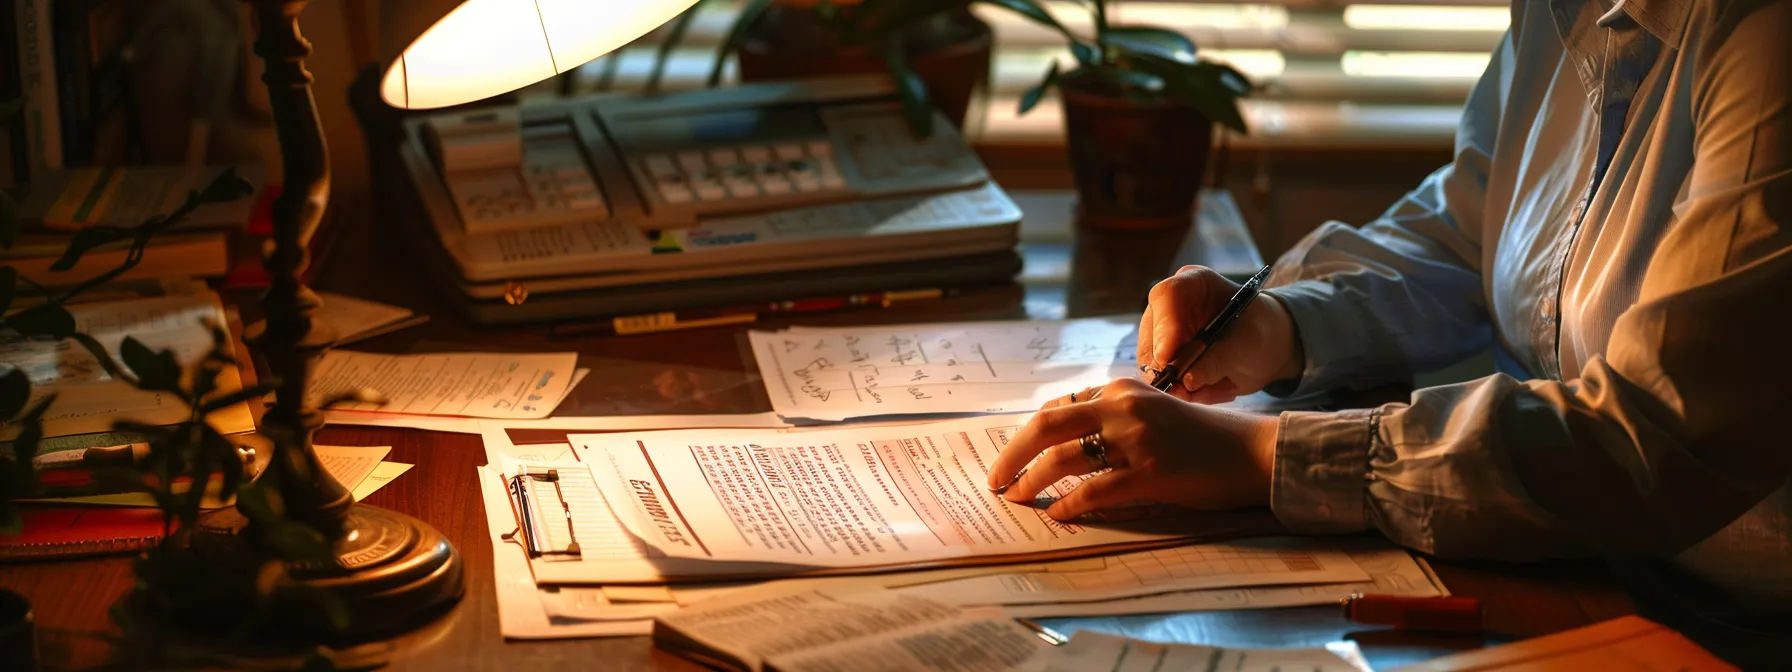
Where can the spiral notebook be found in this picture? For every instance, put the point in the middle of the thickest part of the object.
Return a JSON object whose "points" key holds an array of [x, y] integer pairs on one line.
{"points": [[75, 531]]}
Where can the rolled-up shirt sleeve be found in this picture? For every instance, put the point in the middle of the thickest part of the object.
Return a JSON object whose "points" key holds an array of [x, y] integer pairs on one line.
{"points": [[1665, 438]]}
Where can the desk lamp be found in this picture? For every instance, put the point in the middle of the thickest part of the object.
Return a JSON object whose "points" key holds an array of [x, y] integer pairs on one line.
{"points": [[390, 570]]}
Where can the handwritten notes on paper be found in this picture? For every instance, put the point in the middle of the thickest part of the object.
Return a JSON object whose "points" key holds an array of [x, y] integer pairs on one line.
{"points": [[479, 385], [987, 367], [88, 399]]}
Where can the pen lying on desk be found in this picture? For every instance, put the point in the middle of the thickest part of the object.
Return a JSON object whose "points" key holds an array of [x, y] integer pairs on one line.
{"points": [[716, 317]]}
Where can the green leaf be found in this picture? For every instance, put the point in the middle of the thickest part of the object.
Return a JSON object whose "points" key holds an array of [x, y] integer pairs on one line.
{"points": [[252, 500], [9, 220], [44, 319], [154, 370], [226, 187], [1160, 42], [104, 358], [1031, 98], [673, 38], [910, 90], [229, 461], [1085, 54], [85, 241], [743, 23], [1210, 88], [24, 448], [9, 284], [15, 392], [248, 394]]}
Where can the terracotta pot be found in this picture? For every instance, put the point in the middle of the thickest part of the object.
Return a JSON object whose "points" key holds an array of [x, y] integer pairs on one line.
{"points": [[1138, 165], [952, 56]]}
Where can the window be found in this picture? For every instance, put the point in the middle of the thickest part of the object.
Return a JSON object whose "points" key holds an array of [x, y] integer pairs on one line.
{"points": [[1331, 72]]}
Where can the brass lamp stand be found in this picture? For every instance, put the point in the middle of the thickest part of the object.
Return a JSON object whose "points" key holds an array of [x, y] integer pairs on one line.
{"points": [[387, 570]]}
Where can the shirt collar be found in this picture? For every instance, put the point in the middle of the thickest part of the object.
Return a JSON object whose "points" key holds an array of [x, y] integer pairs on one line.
{"points": [[1665, 19]]}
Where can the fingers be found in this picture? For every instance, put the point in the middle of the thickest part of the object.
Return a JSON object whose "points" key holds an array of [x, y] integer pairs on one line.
{"points": [[1218, 393], [1086, 394], [1108, 490], [1147, 326], [1059, 461], [1050, 426]]}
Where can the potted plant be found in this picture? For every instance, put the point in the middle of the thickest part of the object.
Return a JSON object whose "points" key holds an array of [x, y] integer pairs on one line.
{"points": [[1139, 109], [937, 52]]}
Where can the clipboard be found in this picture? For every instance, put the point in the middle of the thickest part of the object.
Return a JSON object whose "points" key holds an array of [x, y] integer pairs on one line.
{"points": [[546, 525]]}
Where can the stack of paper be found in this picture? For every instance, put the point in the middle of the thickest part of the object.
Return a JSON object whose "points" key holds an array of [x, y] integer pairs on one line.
{"points": [[668, 519]]}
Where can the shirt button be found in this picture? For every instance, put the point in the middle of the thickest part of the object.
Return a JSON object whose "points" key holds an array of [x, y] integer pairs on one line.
{"points": [[1323, 511]]}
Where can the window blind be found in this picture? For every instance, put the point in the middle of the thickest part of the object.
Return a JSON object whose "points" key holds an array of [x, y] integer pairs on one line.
{"points": [[1330, 73]]}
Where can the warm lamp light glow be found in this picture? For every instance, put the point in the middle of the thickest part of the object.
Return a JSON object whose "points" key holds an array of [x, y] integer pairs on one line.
{"points": [[483, 48]]}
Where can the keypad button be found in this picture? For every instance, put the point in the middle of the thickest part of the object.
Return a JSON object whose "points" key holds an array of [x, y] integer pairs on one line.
{"points": [[586, 202], [692, 161], [675, 193], [579, 186], [711, 192], [723, 157], [807, 184], [755, 154], [742, 189], [775, 187], [821, 148], [659, 165], [789, 151]]}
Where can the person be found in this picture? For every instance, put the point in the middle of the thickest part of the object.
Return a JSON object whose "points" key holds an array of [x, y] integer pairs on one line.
{"points": [[1614, 225]]}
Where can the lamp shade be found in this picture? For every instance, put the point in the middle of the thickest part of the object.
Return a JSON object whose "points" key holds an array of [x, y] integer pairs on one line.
{"points": [[447, 52]]}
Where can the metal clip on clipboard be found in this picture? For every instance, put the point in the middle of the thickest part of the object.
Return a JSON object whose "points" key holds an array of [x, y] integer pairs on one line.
{"points": [[547, 528]]}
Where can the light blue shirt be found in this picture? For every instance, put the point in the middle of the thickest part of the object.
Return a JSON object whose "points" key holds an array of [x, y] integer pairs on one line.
{"points": [[1615, 226]]}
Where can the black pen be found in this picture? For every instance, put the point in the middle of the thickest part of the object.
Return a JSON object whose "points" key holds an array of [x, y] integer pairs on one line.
{"points": [[1191, 352]]}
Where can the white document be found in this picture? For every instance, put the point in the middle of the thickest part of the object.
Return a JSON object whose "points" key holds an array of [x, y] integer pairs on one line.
{"points": [[856, 497], [520, 611], [352, 319], [381, 475], [846, 631], [1248, 562], [1090, 650], [88, 399], [433, 423], [1392, 571], [483, 385], [351, 464], [972, 367]]}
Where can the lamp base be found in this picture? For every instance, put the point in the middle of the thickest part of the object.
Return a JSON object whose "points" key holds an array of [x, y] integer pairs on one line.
{"points": [[390, 572]]}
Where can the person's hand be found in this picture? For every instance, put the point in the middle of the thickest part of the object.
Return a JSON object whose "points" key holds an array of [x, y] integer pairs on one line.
{"points": [[1258, 349], [1160, 449]]}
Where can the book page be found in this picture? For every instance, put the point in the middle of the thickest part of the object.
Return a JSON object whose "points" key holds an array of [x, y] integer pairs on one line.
{"points": [[973, 367], [383, 473], [855, 497], [1089, 650], [351, 464], [471, 384], [88, 399]]}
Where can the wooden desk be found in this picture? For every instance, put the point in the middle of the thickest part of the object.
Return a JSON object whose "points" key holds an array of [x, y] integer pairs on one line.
{"points": [[709, 372]]}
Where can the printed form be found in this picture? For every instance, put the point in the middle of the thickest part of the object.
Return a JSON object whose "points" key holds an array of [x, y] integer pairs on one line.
{"points": [[480, 385], [981, 367], [854, 497]]}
